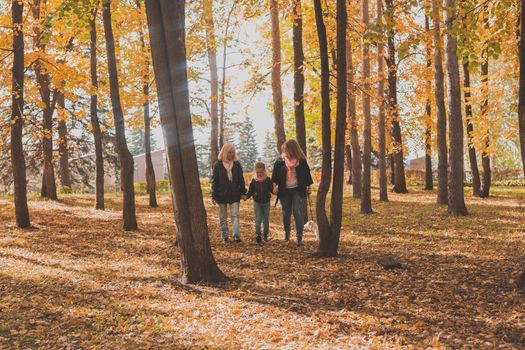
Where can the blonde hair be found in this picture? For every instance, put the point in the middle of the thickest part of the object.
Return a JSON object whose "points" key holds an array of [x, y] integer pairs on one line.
{"points": [[224, 152], [292, 149], [259, 166]]}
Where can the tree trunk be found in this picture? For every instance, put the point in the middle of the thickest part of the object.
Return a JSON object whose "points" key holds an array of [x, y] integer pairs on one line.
{"points": [[348, 152], [521, 98], [167, 35], [63, 138], [397, 142], [17, 120], [125, 157], [442, 193], [151, 182], [277, 92], [211, 48], [223, 81], [325, 242], [366, 195], [43, 79], [95, 123], [352, 123], [336, 205], [456, 198], [392, 170], [428, 117], [383, 182], [485, 155], [473, 160]]}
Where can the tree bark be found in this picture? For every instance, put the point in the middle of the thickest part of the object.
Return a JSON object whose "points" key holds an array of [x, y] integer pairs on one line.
{"points": [[397, 142], [44, 80], [485, 155], [63, 138], [366, 195], [521, 98], [442, 193], [277, 92], [383, 182], [352, 123], [348, 153], [167, 35], [211, 49], [456, 198], [124, 155], [17, 119], [95, 123], [223, 81], [473, 160], [326, 166], [428, 117], [151, 182]]}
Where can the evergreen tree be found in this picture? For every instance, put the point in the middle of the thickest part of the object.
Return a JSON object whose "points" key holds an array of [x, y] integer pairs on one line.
{"points": [[270, 154], [247, 148], [135, 140], [203, 160]]}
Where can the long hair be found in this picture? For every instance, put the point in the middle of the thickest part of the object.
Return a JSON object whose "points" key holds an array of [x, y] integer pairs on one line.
{"points": [[292, 149], [224, 152]]}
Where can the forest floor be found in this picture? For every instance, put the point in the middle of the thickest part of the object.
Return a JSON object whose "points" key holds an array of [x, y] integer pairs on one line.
{"points": [[76, 280]]}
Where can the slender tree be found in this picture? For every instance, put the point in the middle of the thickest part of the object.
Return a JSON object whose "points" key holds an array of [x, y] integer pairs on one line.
{"points": [[485, 155], [521, 98], [17, 119], [473, 160], [442, 193], [348, 154], [456, 197], [298, 77], [277, 92], [167, 36], [93, 111], [397, 142], [63, 139], [49, 99], [383, 181], [151, 182], [211, 49], [352, 123], [428, 116], [366, 195], [124, 155], [329, 230]]}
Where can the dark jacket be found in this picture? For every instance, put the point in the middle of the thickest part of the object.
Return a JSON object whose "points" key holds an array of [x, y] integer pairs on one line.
{"points": [[261, 191], [224, 191], [304, 177]]}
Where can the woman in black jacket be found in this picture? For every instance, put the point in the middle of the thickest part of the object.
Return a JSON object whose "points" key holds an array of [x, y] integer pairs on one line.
{"points": [[292, 179], [227, 190]]}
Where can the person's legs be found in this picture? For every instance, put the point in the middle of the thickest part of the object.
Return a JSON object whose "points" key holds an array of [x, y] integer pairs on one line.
{"points": [[223, 220], [297, 204], [286, 203], [259, 214], [266, 220], [234, 213]]}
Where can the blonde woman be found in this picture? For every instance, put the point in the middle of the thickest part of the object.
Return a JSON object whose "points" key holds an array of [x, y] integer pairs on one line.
{"points": [[292, 179], [227, 190]]}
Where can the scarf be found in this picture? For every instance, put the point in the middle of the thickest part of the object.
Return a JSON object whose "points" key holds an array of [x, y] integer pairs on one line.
{"points": [[291, 164], [228, 166]]}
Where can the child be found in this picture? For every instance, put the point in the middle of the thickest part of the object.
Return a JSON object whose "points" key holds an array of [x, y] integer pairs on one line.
{"points": [[227, 190], [261, 190]]}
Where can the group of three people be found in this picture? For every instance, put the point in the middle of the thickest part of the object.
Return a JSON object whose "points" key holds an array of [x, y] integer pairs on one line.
{"points": [[290, 182]]}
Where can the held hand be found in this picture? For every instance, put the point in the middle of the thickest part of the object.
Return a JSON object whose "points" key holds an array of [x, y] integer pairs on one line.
{"points": [[213, 202], [308, 190], [244, 198], [275, 189]]}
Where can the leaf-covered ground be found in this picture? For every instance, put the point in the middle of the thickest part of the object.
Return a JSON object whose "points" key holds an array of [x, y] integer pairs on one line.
{"points": [[76, 280]]}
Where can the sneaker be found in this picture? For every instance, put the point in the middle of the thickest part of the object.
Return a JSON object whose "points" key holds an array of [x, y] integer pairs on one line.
{"points": [[237, 239], [287, 236], [299, 241], [258, 239], [265, 238], [226, 239]]}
